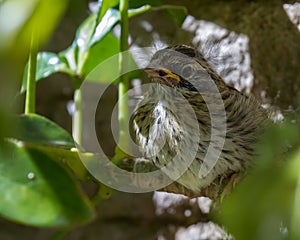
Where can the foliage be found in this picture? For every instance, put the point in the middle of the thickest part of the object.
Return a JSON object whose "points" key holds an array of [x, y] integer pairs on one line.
{"points": [[266, 204], [39, 163]]}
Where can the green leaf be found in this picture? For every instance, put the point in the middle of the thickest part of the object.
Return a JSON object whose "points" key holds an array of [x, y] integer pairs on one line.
{"points": [[108, 21], [104, 61], [295, 218], [85, 32], [79, 58], [36, 129], [267, 201], [105, 5], [18, 18], [89, 36], [47, 64], [100, 52], [89, 33], [36, 190], [69, 158], [70, 57], [137, 11], [177, 13], [139, 3], [39, 133], [87, 49]]}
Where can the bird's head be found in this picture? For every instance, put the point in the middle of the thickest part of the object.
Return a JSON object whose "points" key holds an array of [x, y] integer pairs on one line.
{"points": [[182, 67]]}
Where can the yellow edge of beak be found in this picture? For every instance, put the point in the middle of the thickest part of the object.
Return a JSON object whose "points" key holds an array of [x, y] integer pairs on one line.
{"points": [[153, 72]]}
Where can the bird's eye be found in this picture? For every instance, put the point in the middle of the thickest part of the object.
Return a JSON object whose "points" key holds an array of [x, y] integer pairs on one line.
{"points": [[187, 71], [162, 73]]}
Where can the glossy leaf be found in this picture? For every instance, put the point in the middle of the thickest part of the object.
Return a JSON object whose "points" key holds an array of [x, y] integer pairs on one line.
{"points": [[36, 190], [47, 64], [104, 61], [100, 52], [80, 57], [36, 129], [88, 34], [108, 21], [69, 157], [39, 133], [93, 36], [70, 56], [105, 5], [84, 32]]}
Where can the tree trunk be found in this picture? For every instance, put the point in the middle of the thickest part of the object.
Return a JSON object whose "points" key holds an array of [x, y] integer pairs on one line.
{"points": [[274, 43]]}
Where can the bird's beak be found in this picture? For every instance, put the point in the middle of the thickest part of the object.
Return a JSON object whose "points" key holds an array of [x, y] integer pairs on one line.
{"points": [[162, 73]]}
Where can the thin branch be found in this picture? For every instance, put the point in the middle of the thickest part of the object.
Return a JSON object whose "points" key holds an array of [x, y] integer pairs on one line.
{"points": [[77, 117], [124, 137], [31, 83]]}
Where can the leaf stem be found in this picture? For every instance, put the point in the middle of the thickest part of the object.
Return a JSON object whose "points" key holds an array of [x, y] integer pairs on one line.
{"points": [[31, 84], [77, 117], [124, 137], [124, 27], [105, 192], [295, 219]]}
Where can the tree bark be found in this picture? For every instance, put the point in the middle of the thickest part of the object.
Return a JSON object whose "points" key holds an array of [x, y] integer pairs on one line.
{"points": [[274, 43]]}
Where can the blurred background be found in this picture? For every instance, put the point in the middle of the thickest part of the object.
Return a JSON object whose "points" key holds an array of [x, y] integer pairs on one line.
{"points": [[253, 45]]}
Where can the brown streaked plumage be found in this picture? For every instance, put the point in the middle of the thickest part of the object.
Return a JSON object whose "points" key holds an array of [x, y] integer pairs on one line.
{"points": [[186, 89]]}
